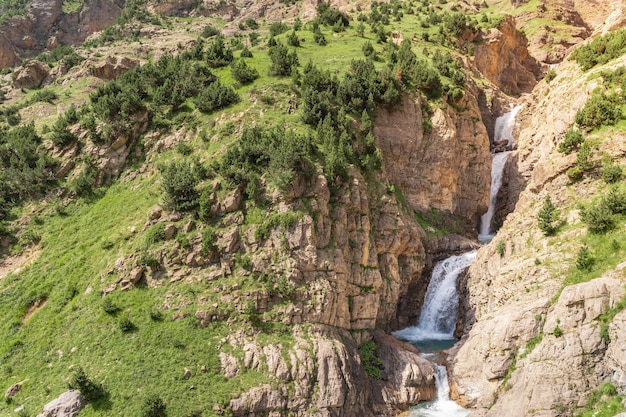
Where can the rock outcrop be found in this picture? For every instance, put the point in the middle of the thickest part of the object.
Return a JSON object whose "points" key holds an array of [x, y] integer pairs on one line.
{"points": [[502, 57], [113, 67], [414, 160], [31, 75], [46, 25], [326, 375], [539, 343]]}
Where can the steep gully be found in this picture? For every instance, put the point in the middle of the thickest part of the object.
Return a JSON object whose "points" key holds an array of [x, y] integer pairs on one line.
{"points": [[436, 325]]}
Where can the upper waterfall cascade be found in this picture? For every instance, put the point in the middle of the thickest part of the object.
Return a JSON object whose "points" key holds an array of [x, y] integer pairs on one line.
{"points": [[503, 131]]}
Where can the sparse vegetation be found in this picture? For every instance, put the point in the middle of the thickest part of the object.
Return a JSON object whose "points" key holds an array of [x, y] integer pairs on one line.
{"points": [[369, 359]]}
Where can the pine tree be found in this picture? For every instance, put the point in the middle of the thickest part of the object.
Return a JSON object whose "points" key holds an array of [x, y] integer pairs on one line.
{"points": [[547, 217]]}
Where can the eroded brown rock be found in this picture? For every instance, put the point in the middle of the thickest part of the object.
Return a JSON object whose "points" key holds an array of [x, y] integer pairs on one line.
{"points": [[30, 75], [502, 57]]}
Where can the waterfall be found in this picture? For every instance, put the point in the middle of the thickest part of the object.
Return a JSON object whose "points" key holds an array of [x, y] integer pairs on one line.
{"points": [[503, 131], [443, 406], [439, 313], [435, 330], [497, 169]]}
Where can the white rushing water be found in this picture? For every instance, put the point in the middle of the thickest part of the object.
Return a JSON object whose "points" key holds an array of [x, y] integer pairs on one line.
{"points": [[503, 131], [439, 313], [497, 169], [443, 406], [435, 330]]}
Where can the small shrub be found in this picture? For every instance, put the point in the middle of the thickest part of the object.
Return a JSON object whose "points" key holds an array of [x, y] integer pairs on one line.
{"points": [[209, 31], [547, 217], [209, 239], [584, 157], [611, 173], [598, 217], [574, 173], [557, 331], [599, 110], [109, 306], [214, 97], [319, 38], [153, 406], [370, 360], [285, 288], [584, 261], [245, 53], [615, 200], [571, 141], [293, 40], [90, 390], [179, 181], [184, 148], [147, 259], [156, 315], [242, 72], [277, 28], [252, 24], [500, 248], [155, 234], [550, 75], [126, 325], [283, 61]]}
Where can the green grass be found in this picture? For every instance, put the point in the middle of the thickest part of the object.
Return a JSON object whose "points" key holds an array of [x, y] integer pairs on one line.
{"points": [[69, 274], [604, 402]]}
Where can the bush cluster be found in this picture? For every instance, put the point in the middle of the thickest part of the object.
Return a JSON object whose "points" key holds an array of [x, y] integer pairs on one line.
{"points": [[242, 72], [600, 110], [179, 181], [283, 61], [370, 360], [601, 50], [26, 170], [572, 139], [89, 390], [64, 54], [277, 153], [600, 215]]}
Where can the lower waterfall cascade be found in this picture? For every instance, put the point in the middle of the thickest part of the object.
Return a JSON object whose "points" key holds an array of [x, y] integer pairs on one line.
{"points": [[435, 331]]}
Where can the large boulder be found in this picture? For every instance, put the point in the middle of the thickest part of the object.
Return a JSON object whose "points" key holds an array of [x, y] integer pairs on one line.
{"points": [[30, 75], [113, 67], [68, 404]]}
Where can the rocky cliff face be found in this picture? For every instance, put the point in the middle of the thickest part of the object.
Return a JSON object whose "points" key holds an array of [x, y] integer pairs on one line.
{"points": [[47, 26], [502, 57], [427, 166], [362, 253]]}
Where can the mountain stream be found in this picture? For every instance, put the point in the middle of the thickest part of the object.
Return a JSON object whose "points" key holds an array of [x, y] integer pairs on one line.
{"points": [[437, 321]]}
